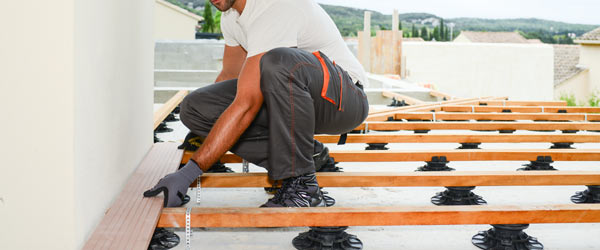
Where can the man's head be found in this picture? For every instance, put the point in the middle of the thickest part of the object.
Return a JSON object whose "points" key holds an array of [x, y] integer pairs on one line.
{"points": [[222, 5]]}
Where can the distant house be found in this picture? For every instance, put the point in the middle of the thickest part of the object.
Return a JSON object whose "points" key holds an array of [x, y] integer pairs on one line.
{"points": [[490, 37], [577, 68], [174, 23]]}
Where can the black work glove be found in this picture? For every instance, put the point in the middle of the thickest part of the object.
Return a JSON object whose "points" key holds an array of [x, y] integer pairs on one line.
{"points": [[175, 185]]}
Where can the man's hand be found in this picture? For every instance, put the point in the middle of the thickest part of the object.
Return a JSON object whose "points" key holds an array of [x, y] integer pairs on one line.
{"points": [[175, 185]]}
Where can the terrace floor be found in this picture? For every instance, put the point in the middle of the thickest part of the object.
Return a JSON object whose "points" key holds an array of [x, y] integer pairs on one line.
{"points": [[553, 236]]}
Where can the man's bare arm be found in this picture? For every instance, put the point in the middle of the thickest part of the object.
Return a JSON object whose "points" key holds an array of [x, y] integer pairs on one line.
{"points": [[236, 118], [233, 60]]}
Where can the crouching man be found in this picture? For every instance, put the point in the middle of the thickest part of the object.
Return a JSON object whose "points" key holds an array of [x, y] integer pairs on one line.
{"points": [[287, 74]]}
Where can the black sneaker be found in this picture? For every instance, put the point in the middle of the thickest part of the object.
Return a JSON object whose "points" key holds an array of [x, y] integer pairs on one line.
{"points": [[301, 191]]}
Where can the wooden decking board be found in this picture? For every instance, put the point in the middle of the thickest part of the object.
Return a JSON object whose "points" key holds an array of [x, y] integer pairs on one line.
{"points": [[415, 179], [392, 126], [519, 109], [103, 239], [131, 212], [165, 109], [131, 206], [460, 138], [451, 155], [496, 116], [380, 216]]}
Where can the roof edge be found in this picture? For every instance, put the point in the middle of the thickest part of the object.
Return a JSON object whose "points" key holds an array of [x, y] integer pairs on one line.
{"points": [[180, 10], [587, 41]]}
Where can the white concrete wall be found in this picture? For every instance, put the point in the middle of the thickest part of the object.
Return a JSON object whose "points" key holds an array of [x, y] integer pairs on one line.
{"points": [[578, 86], [590, 58], [114, 62], [76, 98], [519, 71], [36, 103], [172, 24]]}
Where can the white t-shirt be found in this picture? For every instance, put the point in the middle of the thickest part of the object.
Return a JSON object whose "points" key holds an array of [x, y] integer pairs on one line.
{"points": [[269, 24]]}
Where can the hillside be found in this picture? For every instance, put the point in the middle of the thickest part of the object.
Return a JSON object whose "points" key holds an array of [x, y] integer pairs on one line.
{"points": [[349, 20]]}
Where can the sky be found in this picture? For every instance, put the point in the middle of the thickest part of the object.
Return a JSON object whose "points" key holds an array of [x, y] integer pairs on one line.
{"points": [[570, 11]]}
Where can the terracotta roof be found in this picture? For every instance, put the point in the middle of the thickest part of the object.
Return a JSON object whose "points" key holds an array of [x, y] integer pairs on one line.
{"points": [[593, 35], [566, 58], [494, 37], [534, 41], [413, 39]]}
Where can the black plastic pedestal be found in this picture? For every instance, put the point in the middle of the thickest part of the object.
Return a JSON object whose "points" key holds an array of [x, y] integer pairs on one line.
{"points": [[542, 163], [327, 238], [162, 128], [470, 145], [562, 145], [457, 196], [437, 163], [163, 239], [376, 146], [506, 237], [591, 195]]}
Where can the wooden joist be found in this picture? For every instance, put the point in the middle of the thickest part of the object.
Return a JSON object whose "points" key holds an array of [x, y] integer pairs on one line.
{"points": [[415, 179], [424, 107], [520, 109], [456, 138], [523, 103], [440, 94], [399, 97], [165, 109], [451, 155], [379, 216], [495, 116], [130, 221], [392, 126]]}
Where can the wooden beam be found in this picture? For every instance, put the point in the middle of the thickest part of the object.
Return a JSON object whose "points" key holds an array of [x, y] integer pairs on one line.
{"points": [[439, 94], [380, 216], [392, 126], [460, 138], [496, 116], [399, 97], [451, 155], [165, 109], [130, 221], [437, 106], [523, 103], [519, 109], [415, 179]]}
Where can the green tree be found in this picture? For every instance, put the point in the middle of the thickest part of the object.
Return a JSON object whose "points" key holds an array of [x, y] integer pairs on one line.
{"points": [[425, 33], [209, 23], [218, 22], [436, 33], [400, 25], [415, 31], [442, 31]]}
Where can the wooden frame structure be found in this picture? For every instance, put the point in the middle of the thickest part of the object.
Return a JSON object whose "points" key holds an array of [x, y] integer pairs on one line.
{"points": [[152, 213]]}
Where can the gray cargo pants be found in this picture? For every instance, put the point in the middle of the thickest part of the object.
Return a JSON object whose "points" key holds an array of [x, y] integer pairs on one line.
{"points": [[304, 93]]}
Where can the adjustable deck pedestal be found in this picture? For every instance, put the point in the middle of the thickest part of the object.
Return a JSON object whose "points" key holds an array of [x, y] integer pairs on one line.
{"points": [[327, 238], [452, 195], [506, 237], [457, 196], [163, 239], [377, 146], [591, 195], [542, 163]]}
